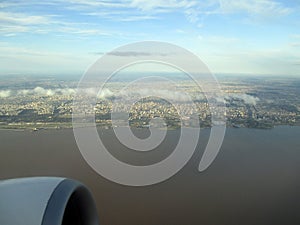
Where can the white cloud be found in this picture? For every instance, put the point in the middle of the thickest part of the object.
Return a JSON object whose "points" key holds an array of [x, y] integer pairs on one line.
{"points": [[137, 18], [37, 91], [33, 22], [105, 93], [15, 23], [99, 3], [86, 31], [196, 11], [137, 10], [24, 19], [147, 5], [5, 93], [13, 29], [254, 7], [190, 8], [192, 15], [248, 99]]}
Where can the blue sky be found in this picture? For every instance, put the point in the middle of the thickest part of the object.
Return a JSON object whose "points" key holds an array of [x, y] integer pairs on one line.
{"points": [[230, 36]]}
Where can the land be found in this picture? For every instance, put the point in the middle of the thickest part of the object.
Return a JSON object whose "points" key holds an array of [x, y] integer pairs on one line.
{"points": [[251, 101]]}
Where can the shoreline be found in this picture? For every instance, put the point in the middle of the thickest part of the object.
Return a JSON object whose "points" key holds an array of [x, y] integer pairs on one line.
{"points": [[40, 128]]}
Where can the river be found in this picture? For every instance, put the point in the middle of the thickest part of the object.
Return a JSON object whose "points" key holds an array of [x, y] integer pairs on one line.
{"points": [[254, 179]]}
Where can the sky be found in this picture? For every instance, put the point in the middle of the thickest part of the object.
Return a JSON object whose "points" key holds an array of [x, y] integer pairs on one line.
{"points": [[229, 36]]}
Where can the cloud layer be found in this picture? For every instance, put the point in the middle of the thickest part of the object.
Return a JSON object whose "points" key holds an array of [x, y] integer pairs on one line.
{"points": [[39, 91], [248, 99]]}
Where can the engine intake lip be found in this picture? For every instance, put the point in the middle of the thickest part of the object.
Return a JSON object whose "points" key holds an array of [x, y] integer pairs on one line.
{"points": [[70, 204]]}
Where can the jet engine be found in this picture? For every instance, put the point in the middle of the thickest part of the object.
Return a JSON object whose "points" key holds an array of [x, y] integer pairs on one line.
{"points": [[46, 201]]}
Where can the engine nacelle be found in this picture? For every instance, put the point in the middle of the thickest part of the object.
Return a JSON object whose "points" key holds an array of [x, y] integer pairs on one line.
{"points": [[46, 201]]}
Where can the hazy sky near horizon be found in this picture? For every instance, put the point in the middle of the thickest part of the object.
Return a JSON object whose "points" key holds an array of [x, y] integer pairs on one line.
{"points": [[229, 36]]}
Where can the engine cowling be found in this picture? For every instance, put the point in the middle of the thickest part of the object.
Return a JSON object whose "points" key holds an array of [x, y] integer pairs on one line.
{"points": [[46, 201]]}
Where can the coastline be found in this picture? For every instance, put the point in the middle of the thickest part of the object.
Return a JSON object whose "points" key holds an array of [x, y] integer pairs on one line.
{"points": [[40, 126]]}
